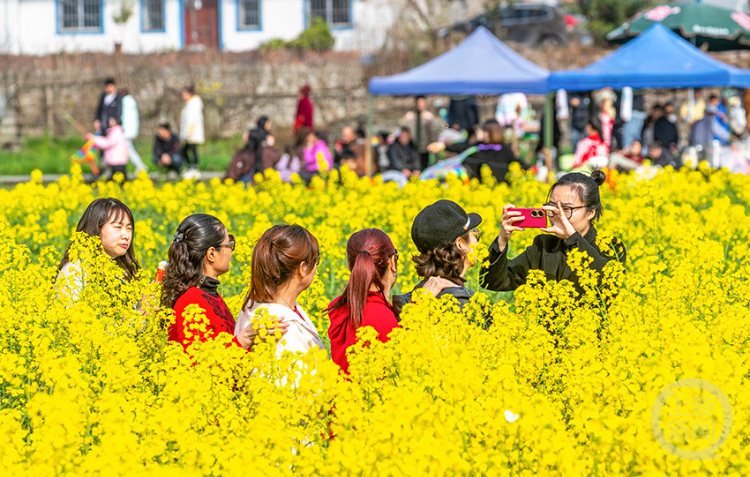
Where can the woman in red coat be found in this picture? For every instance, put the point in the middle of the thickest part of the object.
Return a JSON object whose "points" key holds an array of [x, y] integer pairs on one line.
{"points": [[304, 109], [373, 262], [200, 253]]}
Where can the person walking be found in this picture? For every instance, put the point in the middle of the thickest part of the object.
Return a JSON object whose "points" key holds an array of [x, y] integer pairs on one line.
{"points": [[305, 110], [191, 131], [109, 106], [130, 126]]}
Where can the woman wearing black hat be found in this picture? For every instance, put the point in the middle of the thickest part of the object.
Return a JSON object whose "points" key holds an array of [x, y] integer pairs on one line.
{"points": [[444, 235], [572, 207]]}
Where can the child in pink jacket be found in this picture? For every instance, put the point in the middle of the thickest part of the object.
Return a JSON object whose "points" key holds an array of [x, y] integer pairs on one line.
{"points": [[114, 146]]}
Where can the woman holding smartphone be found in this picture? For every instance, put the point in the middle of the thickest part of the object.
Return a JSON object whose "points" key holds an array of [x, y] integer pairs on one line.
{"points": [[573, 206]]}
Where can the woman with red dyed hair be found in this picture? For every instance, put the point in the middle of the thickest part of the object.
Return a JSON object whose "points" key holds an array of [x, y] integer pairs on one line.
{"points": [[373, 262], [284, 263]]}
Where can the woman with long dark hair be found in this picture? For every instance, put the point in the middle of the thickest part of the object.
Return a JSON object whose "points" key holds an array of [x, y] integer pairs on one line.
{"points": [[284, 263], [111, 221], [200, 252], [573, 205]]}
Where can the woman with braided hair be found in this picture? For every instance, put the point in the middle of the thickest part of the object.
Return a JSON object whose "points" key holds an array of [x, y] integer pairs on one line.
{"points": [[200, 253]]}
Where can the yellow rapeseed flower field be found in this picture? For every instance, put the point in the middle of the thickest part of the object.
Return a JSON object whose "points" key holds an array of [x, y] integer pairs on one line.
{"points": [[557, 386]]}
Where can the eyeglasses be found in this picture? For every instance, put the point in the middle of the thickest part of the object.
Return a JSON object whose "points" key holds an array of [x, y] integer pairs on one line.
{"points": [[568, 211], [477, 233], [229, 244]]}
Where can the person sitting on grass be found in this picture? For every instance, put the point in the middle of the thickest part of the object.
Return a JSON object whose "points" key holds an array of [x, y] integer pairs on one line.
{"points": [[167, 149]]}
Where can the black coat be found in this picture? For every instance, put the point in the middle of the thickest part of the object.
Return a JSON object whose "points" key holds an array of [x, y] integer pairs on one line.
{"points": [[464, 112], [111, 110], [461, 294], [171, 146], [665, 132], [549, 254], [403, 157], [579, 115], [497, 156]]}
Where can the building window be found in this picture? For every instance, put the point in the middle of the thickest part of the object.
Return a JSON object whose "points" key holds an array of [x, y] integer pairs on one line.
{"points": [[153, 15], [249, 14], [335, 12], [80, 15]]}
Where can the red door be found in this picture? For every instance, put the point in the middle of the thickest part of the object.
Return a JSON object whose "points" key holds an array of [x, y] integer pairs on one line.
{"points": [[202, 23]]}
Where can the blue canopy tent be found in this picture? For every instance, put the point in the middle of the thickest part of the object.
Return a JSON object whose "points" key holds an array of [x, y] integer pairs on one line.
{"points": [[481, 64], [658, 58]]}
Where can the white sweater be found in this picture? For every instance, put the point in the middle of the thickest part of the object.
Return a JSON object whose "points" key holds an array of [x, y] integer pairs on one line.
{"points": [[301, 335], [70, 281], [191, 122]]}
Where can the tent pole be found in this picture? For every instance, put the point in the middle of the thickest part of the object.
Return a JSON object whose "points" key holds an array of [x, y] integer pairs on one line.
{"points": [[549, 124], [729, 114], [368, 139]]}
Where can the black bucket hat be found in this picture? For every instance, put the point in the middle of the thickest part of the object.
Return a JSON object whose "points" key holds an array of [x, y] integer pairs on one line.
{"points": [[440, 223]]}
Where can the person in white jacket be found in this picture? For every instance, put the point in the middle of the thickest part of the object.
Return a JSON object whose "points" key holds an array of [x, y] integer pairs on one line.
{"points": [[130, 126], [191, 130], [284, 263]]}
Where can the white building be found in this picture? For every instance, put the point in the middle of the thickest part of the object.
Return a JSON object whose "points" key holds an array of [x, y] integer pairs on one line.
{"points": [[50, 26]]}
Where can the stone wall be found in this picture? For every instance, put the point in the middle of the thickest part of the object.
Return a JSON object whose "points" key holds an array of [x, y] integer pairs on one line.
{"points": [[236, 87]]}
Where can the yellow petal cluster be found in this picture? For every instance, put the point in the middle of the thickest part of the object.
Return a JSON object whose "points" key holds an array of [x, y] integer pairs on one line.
{"points": [[558, 385]]}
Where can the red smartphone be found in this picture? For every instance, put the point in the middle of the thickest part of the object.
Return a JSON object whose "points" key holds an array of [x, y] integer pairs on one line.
{"points": [[533, 218]]}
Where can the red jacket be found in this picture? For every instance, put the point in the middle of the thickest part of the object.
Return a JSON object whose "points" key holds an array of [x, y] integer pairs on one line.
{"points": [[218, 314], [589, 147], [377, 313], [304, 114]]}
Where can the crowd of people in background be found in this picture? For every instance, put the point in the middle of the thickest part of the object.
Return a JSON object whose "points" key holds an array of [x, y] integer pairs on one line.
{"points": [[616, 129], [607, 129]]}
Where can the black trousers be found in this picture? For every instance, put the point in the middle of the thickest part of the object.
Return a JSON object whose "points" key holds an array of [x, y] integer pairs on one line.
{"points": [[190, 153], [115, 169]]}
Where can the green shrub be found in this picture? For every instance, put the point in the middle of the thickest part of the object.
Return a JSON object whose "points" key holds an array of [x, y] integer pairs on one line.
{"points": [[317, 37]]}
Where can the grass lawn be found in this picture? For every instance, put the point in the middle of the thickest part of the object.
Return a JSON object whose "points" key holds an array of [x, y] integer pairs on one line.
{"points": [[51, 155]]}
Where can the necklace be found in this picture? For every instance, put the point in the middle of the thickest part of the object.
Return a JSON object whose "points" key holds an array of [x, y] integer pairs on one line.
{"points": [[293, 308]]}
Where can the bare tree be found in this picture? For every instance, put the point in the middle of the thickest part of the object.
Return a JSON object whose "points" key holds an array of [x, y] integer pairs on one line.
{"points": [[425, 18]]}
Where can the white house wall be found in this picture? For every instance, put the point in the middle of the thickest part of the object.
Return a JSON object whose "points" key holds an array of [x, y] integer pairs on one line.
{"points": [[278, 19], [33, 30], [286, 19], [30, 27]]}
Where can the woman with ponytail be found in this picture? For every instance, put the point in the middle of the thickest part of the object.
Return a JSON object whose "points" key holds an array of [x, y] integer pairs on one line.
{"points": [[284, 263], [373, 262], [200, 253], [573, 205]]}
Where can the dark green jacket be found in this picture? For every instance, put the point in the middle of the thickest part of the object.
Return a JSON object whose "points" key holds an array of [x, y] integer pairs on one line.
{"points": [[549, 254]]}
